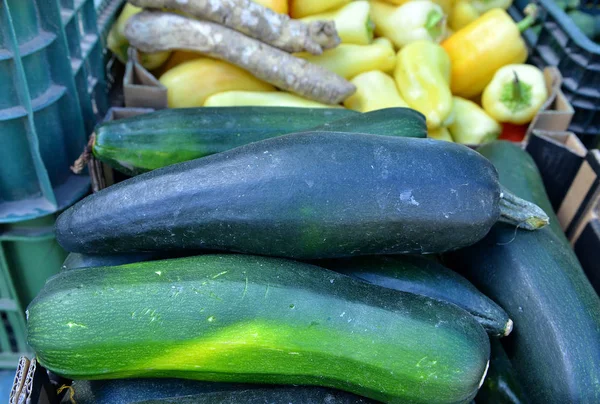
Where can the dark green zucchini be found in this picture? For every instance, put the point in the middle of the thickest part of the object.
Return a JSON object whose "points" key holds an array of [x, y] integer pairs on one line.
{"points": [[237, 318], [146, 142], [425, 277], [306, 195], [501, 385], [537, 279], [130, 391]]}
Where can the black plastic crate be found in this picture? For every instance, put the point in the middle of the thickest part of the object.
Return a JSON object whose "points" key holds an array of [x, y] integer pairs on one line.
{"points": [[561, 43]]}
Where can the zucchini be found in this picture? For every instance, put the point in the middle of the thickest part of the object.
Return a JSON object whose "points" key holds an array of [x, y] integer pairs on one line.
{"points": [[501, 385], [425, 277], [249, 319], [158, 139], [307, 195], [537, 279], [129, 391]]}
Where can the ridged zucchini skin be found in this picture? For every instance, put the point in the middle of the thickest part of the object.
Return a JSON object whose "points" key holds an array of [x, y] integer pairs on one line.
{"points": [[501, 385], [425, 277], [158, 139], [537, 279], [249, 319], [307, 195], [129, 391]]}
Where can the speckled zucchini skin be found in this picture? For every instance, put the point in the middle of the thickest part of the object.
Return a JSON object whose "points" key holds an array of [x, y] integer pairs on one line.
{"points": [[237, 318], [307, 195]]}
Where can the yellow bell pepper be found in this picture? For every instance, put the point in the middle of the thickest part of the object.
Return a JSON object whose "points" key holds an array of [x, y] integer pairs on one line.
{"points": [[410, 22], [352, 22], [515, 94], [118, 43], [374, 90], [348, 60], [482, 47], [462, 14], [191, 83], [261, 99], [423, 78], [472, 125]]}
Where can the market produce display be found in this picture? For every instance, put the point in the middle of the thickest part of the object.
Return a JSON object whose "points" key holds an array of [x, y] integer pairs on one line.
{"points": [[301, 226], [296, 64]]}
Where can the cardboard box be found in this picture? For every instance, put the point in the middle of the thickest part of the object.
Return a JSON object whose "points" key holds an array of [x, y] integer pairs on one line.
{"points": [[559, 156], [581, 203], [586, 246], [32, 384], [140, 88], [556, 113]]}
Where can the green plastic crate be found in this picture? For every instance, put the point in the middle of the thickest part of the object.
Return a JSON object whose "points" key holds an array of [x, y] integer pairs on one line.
{"points": [[53, 82], [29, 255]]}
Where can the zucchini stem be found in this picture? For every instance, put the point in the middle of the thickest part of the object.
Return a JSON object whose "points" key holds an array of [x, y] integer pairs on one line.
{"points": [[85, 156], [519, 212]]}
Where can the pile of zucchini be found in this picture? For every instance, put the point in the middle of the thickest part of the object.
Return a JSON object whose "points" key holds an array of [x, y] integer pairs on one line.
{"points": [[316, 261]]}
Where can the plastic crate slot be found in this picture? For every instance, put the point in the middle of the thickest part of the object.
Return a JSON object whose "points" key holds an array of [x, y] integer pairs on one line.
{"points": [[53, 94]]}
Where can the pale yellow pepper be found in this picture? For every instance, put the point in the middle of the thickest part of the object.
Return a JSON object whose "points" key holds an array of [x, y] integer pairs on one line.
{"points": [[374, 90], [423, 77], [472, 125], [441, 133], [191, 83], [445, 4], [352, 22], [118, 43], [261, 99], [348, 60], [304, 8], [409, 22], [515, 94]]}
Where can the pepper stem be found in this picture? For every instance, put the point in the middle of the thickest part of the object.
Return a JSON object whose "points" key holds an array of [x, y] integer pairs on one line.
{"points": [[434, 24], [517, 90], [521, 213], [531, 14]]}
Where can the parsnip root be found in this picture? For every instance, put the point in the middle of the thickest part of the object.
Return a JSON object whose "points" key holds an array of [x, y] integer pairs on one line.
{"points": [[154, 31], [258, 22]]}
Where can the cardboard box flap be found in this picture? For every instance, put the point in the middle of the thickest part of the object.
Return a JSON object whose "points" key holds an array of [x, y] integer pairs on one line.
{"points": [[556, 113], [586, 247], [580, 204], [19, 381], [140, 88], [559, 156]]}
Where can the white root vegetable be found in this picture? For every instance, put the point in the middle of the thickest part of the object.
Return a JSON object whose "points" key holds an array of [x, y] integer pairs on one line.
{"points": [[154, 31], [258, 22]]}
